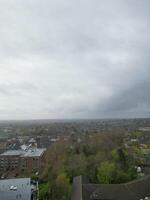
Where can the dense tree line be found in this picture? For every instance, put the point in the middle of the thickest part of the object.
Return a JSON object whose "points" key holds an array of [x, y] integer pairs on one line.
{"points": [[100, 157]]}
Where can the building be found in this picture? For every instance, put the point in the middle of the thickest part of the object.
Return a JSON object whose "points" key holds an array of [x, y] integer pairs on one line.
{"points": [[3, 144], [32, 160], [10, 160], [16, 189], [135, 190], [43, 141], [29, 159]]}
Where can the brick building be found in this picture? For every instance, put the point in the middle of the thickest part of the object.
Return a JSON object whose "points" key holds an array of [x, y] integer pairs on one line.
{"points": [[28, 160], [10, 160], [32, 160]]}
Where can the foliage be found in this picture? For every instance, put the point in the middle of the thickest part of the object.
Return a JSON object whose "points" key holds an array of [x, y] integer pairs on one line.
{"points": [[106, 172], [101, 158], [62, 187], [44, 191], [76, 165]]}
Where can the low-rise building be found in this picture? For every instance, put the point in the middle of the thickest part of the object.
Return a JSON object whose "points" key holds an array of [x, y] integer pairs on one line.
{"points": [[134, 190], [21, 189]]}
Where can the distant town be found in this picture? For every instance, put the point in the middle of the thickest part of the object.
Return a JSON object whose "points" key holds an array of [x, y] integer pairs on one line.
{"points": [[75, 159]]}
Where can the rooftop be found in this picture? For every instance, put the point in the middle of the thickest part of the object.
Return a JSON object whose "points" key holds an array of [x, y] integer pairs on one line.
{"points": [[12, 189], [31, 152], [12, 153], [135, 190], [34, 152]]}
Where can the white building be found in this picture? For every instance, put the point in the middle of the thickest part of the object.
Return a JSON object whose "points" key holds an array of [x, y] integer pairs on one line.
{"points": [[15, 189]]}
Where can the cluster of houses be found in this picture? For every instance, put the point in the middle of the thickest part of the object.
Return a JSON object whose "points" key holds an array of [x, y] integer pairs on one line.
{"points": [[11, 143], [27, 155], [138, 145], [22, 156]]}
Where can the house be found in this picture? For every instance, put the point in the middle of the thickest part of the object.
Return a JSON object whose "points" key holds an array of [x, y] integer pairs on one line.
{"points": [[135, 190], [43, 141], [13, 144]]}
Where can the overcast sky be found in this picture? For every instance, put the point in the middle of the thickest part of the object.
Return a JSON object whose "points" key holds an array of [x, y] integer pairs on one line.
{"points": [[74, 59]]}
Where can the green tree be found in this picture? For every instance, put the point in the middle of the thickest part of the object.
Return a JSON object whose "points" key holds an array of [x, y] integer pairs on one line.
{"points": [[76, 165], [63, 187], [106, 172], [44, 191]]}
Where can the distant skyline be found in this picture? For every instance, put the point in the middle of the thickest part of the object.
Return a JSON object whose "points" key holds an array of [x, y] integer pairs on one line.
{"points": [[74, 59]]}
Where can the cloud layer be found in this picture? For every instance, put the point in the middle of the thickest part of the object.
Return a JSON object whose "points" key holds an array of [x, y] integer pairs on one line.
{"points": [[74, 59]]}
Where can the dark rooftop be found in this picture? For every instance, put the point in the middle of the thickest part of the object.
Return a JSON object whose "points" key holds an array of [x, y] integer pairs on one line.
{"points": [[134, 190]]}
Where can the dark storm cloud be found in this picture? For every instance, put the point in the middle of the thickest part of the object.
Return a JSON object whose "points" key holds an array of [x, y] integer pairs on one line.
{"points": [[62, 59]]}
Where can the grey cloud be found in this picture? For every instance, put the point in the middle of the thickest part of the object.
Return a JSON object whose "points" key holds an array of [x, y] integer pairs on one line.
{"points": [[84, 59], [17, 89]]}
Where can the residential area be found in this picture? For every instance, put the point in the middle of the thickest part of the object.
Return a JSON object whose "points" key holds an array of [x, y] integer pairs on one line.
{"points": [[82, 154]]}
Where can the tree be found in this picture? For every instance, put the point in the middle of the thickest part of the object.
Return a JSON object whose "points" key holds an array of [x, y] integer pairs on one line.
{"points": [[106, 172], [76, 165], [63, 187], [44, 191]]}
